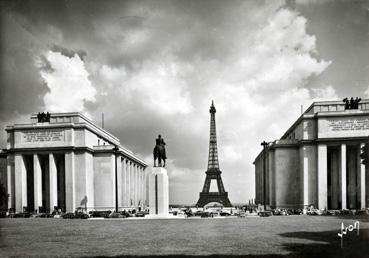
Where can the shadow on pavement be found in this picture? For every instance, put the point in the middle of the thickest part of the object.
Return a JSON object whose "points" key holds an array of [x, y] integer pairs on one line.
{"points": [[329, 246], [292, 255]]}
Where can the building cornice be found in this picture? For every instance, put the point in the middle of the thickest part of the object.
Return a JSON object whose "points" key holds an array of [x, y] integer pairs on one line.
{"points": [[41, 150], [103, 134], [342, 113]]}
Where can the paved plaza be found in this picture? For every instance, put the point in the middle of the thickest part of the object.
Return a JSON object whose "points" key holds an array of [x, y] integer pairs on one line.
{"points": [[278, 236]]}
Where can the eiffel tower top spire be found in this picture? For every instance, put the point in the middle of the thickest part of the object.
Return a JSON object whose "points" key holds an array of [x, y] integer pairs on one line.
{"points": [[213, 163]]}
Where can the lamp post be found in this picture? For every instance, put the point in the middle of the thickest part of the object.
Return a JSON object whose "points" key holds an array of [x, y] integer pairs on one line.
{"points": [[115, 149], [264, 144]]}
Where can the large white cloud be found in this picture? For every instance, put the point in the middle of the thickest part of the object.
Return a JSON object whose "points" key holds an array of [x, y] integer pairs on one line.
{"points": [[68, 82], [157, 85], [367, 93]]}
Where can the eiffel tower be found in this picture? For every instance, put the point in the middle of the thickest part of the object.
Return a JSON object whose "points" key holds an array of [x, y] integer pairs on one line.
{"points": [[213, 172]]}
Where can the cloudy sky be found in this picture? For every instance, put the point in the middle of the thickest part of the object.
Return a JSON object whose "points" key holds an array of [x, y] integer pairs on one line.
{"points": [[154, 66]]}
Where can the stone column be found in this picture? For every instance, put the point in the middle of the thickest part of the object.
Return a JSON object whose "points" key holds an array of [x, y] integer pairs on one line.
{"points": [[120, 181], [133, 184], [361, 175], [53, 183], [343, 177], [140, 185], [132, 197], [256, 181], [70, 195], [145, 188], [334, 180], [136, 185], [123, 184], [306, 181], [322, 176], [352, 171], [262, 185], [20, 183], [362, 188], [139, 199], [267, 201], [142, 188], [37, 182], [259, 184], [10, 181], [126, 197], [271, 173], [129, 166]]}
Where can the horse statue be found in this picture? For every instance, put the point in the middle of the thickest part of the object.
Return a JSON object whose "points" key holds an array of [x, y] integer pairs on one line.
{"points": [[159, 152]]}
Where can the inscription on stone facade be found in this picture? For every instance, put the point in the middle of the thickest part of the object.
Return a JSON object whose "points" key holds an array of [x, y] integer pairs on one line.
{"points": [[52, 135], [349, 125]]}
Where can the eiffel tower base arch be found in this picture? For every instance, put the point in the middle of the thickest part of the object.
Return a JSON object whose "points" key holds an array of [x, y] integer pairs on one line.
{"points": [[206, 198]]}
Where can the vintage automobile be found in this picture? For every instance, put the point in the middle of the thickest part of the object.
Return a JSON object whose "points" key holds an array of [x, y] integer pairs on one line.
{"points": [[140, 214], [100, 214], [265, 213]]}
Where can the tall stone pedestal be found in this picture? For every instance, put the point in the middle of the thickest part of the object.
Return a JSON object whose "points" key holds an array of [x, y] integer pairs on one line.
{"points": [[158, 192]]}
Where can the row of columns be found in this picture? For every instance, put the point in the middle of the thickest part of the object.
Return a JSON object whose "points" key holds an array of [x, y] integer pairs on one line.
{"points": [[323, 175], [21, 197], [133, 184], [259, 179]]}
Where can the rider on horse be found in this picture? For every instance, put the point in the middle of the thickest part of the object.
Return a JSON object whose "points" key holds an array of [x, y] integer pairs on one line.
{"points": [[159, 151]]}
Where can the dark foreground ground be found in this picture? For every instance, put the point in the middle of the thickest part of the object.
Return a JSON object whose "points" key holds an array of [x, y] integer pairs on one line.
{"points": [[291, 236]]}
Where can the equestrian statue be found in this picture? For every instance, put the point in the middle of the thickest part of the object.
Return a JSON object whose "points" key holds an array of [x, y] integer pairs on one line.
{"points": [[159, 152]]}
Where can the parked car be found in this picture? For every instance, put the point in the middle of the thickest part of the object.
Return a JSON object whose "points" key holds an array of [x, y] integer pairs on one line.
{"points": [[68, 215], [140, 214], [116, 215], [100, 214], [125, 214], [242, 214], [44, 215], [279, 212], [81, 215], [224, 213], [297, 211], [344, 212], [22, 215], [333, 212], [197, 213], [205, 214], [265, 213], [174, 213], [214, 214], [189, 213]]}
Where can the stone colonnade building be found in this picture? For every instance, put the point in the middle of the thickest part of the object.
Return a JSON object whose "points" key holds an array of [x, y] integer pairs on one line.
{"points": [[317, 161], [66, 163]]}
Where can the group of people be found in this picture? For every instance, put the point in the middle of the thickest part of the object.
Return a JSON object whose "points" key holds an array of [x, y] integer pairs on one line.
{"points": [[352, 103]]}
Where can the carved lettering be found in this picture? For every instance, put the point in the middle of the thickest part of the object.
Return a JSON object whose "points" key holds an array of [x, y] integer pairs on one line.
{"points": [[349, 125], [51, 135]]}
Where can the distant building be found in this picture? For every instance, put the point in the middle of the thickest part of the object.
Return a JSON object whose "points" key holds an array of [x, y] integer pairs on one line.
{"points": [[65, 161], [317, 161]]}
